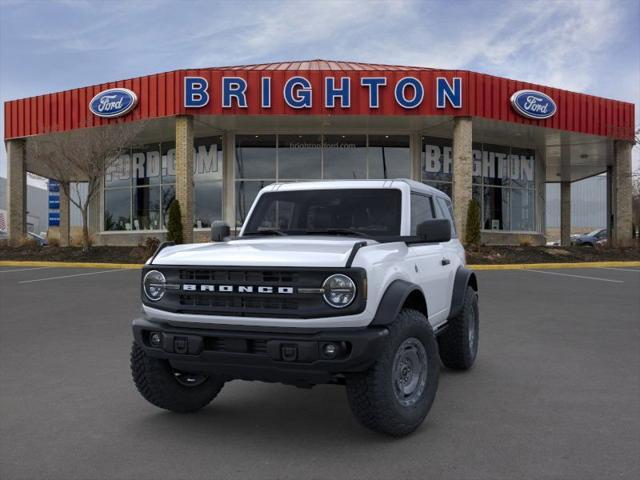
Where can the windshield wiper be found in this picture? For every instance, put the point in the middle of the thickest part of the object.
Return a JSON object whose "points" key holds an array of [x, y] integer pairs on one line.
{"points": [[268, 231], [338, 231]]}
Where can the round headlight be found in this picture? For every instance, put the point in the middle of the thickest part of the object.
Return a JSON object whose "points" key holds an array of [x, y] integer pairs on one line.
{"points": [[339, 290], [154, 285]]}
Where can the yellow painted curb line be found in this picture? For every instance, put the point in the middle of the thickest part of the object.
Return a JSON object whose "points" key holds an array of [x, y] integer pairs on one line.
{"points": [[29, 263], [509, 266], [529, 266]]}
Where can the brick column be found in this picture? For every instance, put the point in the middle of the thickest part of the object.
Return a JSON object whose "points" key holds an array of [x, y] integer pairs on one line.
{"points": [[184, 173], [565, 213], [621, 235], [16, 191], [462, 171], [65, 216]]}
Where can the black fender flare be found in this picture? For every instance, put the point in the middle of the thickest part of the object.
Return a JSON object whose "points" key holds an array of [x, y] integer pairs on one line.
{"points": [[464, 278], [394, 299]]}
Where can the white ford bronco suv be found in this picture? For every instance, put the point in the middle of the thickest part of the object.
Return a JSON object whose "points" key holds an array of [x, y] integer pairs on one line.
{"points": [[360, 283]]}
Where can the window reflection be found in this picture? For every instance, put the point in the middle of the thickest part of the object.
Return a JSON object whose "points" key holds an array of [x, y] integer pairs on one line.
{"points": [[146, 208], [299, 156], [256, 156], [117, 205], [148, 174], [345, 156], [389, 156], [503, 181]]}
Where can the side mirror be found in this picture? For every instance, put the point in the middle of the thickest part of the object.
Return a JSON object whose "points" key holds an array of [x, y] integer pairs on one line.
{"points": [[219, 231], [434, 231]]}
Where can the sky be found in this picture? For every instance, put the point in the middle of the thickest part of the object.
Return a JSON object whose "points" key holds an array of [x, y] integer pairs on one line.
{"points": [[590, 46]]}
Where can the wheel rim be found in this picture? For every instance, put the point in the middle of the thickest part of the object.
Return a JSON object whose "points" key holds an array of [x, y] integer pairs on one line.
{"points": [[189, 379], [410, 368]]}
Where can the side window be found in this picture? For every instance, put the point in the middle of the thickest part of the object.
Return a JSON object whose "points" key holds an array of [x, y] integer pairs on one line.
{"points": [[446, 211], [421, 210]]}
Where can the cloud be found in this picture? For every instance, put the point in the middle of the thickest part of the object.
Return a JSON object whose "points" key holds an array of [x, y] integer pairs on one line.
{"points": [[583, 45]]}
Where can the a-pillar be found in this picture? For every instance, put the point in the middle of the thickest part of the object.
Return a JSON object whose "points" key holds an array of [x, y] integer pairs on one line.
{"points": [[184, 173], [65, 215], [16, 191], [621, 186], [462, 171], [565, 213]]}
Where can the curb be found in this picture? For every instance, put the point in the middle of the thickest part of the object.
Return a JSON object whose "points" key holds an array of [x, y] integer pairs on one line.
{"points": [[508, 266], [29, 263]]}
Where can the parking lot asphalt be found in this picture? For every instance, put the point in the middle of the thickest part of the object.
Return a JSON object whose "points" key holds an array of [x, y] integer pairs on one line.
{"points": [[555, 393]]}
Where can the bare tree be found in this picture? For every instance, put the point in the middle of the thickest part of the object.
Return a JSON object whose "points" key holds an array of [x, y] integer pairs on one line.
{"points": [[82, 156]]}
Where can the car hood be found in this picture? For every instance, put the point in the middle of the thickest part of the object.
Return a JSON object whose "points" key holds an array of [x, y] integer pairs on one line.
{"points": [[310, 251]]}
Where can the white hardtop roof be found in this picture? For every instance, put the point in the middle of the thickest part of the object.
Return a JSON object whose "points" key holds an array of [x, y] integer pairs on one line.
{"points": [[331, 184]]}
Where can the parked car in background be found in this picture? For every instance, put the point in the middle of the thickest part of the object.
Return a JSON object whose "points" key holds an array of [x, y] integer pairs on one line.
{"points": [[591, 239]]}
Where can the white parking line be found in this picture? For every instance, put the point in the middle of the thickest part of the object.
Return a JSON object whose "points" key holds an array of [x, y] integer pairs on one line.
{"points": [[637, 270], [23, 269], [69, 276], [576, 276]]}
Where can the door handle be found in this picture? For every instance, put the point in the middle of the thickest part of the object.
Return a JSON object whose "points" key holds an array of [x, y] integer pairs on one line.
{"points": [[445, 261]]}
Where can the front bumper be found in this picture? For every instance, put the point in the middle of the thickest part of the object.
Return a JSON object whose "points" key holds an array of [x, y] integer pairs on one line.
{"points": [[274, 356]]}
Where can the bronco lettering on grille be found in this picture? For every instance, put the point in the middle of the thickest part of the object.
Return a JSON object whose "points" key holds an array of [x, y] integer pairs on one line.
{"points": [[191, 287]]}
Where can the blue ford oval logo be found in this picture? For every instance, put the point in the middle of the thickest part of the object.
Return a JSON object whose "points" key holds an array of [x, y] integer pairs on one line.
{"points": [[114, 102], [533, 104]]}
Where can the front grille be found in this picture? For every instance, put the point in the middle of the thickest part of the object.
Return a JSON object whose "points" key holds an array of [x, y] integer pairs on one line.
{"points": [[228, 303], [253, 303], [241, 276]]}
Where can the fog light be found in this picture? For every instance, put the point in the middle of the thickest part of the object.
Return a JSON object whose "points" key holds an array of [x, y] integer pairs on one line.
{"points": [[330, 350], [155, 339]]}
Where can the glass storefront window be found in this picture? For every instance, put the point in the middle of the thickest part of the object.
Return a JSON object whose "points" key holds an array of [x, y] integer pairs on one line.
{"points": [[168, 194], [477, 155], [389, 156], [299, 156], [345, 156], [207, 159], [117, 209], [256, 156], [496, 208], [521, 210], [168, 162], [522, 164], [118, 174], [495, 165], [146, 208], [500, 176], [150, 171], [436, 159], [208, 203], [145, 165]]}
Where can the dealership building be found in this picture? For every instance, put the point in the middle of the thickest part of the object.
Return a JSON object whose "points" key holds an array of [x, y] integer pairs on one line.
{"points": [[213, 137]]}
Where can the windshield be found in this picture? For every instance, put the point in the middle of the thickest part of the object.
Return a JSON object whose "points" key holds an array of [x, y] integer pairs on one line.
{"points": [[359, 212]]}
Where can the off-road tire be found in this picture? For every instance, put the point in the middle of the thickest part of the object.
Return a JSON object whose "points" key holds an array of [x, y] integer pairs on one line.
{"points": [[458, 350], [371, 394], [156, 382]]}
